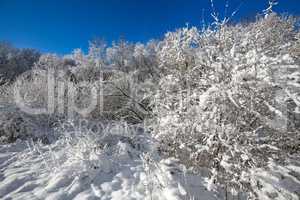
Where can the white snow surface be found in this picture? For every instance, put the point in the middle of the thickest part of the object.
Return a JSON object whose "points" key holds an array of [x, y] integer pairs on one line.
{"points": [[37, 171], [31, 170]]}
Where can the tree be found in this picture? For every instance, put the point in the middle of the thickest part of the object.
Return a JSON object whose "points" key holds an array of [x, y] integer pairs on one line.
{"points": [[14, 62]]}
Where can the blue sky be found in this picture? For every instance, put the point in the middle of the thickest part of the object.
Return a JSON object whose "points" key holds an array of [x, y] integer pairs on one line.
{"points": [[62, 25]]}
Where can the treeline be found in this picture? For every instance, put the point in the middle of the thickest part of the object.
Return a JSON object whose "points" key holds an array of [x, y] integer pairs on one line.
{"points": [[14, 61]]}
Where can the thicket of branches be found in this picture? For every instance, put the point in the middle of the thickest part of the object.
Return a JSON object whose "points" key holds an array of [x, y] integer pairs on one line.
{"points": [[229, 98]]}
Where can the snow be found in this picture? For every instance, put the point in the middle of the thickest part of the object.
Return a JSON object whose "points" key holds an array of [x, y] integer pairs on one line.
{"points": [[25, 174], [34, 173], [277, 183]]}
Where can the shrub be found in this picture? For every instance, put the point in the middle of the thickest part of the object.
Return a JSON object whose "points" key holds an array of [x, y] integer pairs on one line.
{"points": [[222, 98]]}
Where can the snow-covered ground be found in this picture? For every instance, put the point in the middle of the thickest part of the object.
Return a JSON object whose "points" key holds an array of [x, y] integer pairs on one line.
{"points": [[118, 170], [48, 173]]}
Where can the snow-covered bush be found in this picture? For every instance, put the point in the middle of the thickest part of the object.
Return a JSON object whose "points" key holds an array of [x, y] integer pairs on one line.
{"points": [[222, 100], [13, 127], [95, 147]]}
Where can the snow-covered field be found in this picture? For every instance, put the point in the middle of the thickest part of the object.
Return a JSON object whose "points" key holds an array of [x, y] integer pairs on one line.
{"points": [[48, 173], [34, 171]]}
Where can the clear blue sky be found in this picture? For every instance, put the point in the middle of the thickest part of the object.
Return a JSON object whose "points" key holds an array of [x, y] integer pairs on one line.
{"points": [[62, 25]]}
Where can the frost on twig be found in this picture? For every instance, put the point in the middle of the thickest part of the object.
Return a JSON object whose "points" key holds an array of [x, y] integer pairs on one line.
{"points": [[269, 10]]}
